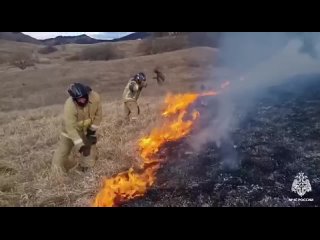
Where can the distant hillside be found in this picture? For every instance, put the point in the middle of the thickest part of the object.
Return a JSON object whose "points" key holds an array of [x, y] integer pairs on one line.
{"points": [[18, 37], [133, 36], [60, 40], [81, 39], [84, 39]]}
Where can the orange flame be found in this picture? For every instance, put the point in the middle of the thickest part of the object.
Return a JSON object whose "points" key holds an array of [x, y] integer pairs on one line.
{"points": [[129, 185], [176, 103], [169, 132]]}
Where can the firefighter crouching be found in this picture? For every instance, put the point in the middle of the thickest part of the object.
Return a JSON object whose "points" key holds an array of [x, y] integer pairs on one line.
{"points": [[81, 119]]}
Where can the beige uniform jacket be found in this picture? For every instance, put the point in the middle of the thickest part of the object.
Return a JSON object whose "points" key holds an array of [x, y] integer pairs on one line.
{"points": [[77, 120]]}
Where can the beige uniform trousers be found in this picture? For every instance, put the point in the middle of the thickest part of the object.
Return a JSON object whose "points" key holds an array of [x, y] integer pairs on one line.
{"points": [[61, 161], [131, 110]]}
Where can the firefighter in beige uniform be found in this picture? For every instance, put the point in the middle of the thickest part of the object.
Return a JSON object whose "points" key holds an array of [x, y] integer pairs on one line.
{"points": [[82, 117], [131, 95]]}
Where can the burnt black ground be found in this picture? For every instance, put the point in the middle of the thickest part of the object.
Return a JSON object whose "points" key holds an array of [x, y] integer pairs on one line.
{"points": [[276, 140]]}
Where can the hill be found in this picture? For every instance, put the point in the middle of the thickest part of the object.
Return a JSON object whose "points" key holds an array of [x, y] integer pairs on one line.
{"points": [[29, 88], [61, 40], [133, 36], [84, 39], [18, 37], [81, 39]]}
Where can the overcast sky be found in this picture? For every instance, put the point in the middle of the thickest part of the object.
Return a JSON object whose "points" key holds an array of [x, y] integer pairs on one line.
{"points": [[97, 35]]}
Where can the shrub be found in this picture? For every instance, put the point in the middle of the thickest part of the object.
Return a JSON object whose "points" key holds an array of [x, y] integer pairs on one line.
{"points": [[22, 60], [161, 45], [73, 58], [206, 39], [101, 52], [47, 50]]}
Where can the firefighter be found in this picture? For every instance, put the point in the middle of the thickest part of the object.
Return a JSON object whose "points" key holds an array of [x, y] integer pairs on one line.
{"points": [[82, 117], [131, 95], [159, 76]]}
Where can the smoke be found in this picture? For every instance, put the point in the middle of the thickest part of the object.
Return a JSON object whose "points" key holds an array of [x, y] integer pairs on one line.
{"points": [[263, 60]]}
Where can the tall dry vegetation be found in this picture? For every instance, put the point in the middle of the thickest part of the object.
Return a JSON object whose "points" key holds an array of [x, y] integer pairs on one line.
{"points": [[158, 43], [161, 45], [27, 142], [47, 50], [22, 60], [103, 52]]}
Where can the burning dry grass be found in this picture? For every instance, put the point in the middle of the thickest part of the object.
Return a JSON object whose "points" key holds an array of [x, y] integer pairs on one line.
{"points": [[175, 125], [29, 139]]}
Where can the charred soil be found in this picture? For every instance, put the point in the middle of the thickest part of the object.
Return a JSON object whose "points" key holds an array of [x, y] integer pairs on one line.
{"points": [[275, 141]]}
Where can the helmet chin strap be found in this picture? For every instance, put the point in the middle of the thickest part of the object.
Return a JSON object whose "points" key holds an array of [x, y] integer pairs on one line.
{"points": [[81, 104]]}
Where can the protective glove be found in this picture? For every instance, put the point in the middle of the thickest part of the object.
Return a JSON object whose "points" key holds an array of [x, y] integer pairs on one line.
{"points": [[91, 137], [85, 150]]}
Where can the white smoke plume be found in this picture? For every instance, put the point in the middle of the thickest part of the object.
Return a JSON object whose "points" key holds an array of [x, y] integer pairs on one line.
{"points": [[265, 60]]}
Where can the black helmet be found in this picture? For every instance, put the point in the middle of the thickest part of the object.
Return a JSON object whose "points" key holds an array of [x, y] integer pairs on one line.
{"points": [[78, 90], [140, 77]]}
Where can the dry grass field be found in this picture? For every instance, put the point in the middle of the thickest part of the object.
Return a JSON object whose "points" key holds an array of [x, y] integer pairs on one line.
{"points": [[31, 103], [29, 137]]}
